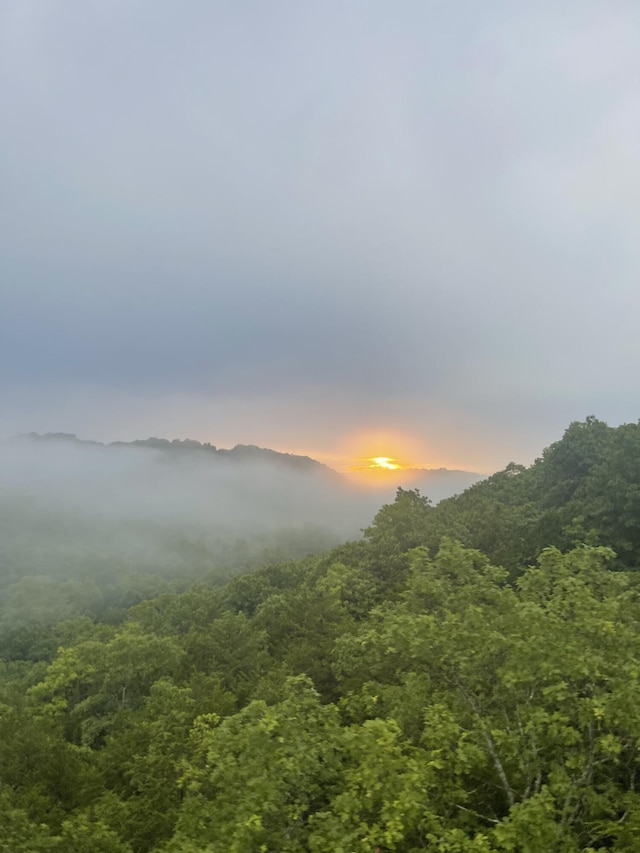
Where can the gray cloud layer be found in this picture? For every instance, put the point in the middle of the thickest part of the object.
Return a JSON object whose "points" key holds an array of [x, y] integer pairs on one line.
{"points": [[414, 215]]}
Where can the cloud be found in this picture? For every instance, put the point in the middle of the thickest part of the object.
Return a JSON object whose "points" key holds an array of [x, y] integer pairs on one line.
{"points": [[423, 214]]}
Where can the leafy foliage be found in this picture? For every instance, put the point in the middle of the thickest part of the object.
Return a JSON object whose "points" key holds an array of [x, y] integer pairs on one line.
{"points": [[465, 679]]}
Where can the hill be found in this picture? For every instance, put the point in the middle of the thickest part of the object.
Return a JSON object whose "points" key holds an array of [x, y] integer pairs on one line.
{"points": [[240, 453], [436, 483], [584, 489], [400, 692]]}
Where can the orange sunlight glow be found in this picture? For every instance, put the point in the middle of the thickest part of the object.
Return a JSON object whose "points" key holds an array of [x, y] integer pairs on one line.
{"points": [[378, 456], [382, 472]]}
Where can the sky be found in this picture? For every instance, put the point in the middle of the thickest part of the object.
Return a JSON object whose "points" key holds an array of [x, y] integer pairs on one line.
{"points": [[344, 229]]}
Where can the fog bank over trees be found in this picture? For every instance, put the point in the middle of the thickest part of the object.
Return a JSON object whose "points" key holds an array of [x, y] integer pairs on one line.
{"points": [[122, 519]]}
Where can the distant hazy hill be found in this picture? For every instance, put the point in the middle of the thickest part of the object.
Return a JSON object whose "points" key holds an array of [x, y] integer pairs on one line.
{"points": [[239, 453], [120, 520], [434, 483]]}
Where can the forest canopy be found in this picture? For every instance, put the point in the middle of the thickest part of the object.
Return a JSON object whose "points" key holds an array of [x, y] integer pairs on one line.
{"points": [[464, 677]]}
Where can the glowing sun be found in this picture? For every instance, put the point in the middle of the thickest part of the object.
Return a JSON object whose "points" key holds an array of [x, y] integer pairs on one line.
{"points": [[386, 462]]}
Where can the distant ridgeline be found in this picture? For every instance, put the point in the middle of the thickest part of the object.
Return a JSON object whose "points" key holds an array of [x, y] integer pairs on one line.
{"points": [[371, 489], [239, 453]]}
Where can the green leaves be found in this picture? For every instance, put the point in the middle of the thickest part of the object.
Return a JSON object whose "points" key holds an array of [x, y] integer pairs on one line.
{"points": [[260, 774], [523, 702], [404, 693]]}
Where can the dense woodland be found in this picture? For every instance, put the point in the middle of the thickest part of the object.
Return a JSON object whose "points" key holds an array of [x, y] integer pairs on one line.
{"points": [[465, 677]]}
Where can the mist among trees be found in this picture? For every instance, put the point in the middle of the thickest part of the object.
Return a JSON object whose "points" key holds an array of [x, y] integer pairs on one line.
{"points": [[463, 676]]}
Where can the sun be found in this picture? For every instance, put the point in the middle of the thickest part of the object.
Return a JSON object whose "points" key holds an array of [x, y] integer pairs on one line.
{"points": [[380, 456], [386, 462]]}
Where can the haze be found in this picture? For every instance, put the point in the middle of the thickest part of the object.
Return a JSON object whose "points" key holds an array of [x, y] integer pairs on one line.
{"points": [[123, 521], [337, 229]]}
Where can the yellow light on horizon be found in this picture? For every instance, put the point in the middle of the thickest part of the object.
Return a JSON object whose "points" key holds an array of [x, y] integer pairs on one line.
{"points": [[386, 462]]}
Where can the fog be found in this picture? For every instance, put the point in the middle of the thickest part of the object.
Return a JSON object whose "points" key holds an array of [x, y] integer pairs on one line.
{"points": [[86, 526], [174, 486], [145, 505]]}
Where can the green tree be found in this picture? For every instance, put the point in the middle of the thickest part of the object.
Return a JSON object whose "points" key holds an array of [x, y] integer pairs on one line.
{"points": [[397, 528], [258, 775], [539, 687]]}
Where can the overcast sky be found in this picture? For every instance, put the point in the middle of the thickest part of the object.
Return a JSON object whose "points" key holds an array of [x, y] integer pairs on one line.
{"points": [[338, 228]]}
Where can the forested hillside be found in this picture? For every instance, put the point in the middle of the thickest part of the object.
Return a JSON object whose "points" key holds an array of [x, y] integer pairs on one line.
{"points": [[464, 679], [585, 489]]}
